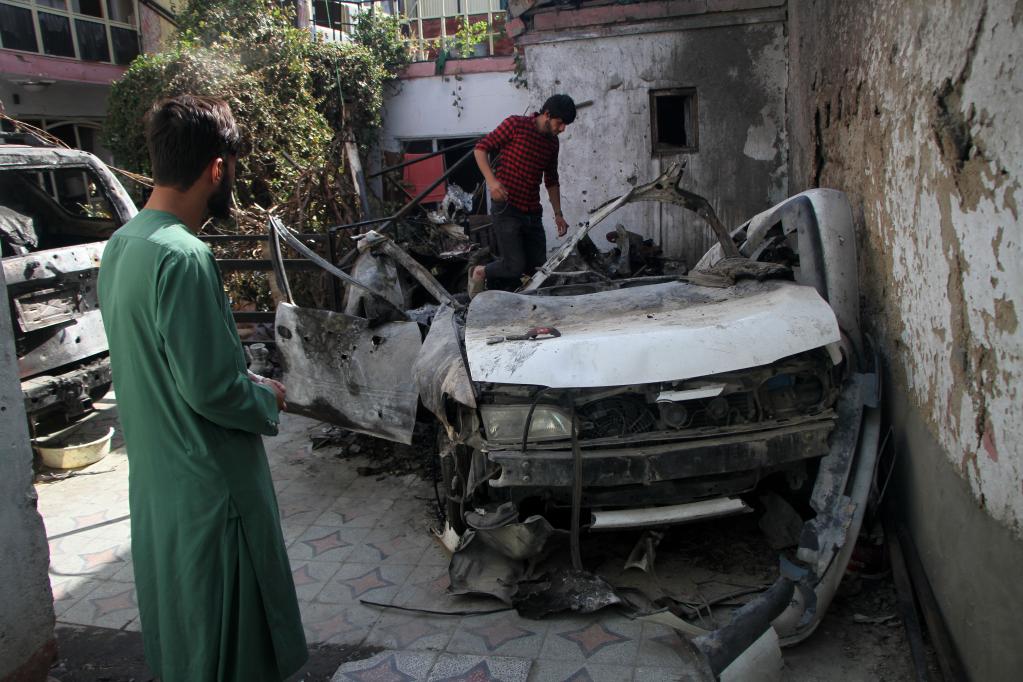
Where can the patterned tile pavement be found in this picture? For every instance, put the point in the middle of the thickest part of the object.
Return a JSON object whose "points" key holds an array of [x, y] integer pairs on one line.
{"points": [[350, 538]]}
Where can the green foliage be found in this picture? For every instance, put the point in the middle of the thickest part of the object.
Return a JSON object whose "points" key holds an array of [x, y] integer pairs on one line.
{"points": [[205, 20], [290, 95], [357, 106], [295, 99], [468, 37], [382, 35], [519, 77]]}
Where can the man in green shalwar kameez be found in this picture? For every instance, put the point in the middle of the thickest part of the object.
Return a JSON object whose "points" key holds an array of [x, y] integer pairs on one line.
{"points": [[215, 592]]}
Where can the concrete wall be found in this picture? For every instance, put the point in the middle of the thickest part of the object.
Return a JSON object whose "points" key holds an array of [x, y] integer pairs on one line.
{"points": [[62, 100], [913, 108], [739, 72], [425, 107], [26, 603]]}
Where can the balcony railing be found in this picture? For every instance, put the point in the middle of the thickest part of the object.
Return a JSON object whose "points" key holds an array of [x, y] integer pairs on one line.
{"points": [[429, 23], [433, 22], [89, 30]]}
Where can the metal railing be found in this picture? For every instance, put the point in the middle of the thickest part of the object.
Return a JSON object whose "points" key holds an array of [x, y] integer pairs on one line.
{"points": [[228, 265], [330, 237], [431, 23]]}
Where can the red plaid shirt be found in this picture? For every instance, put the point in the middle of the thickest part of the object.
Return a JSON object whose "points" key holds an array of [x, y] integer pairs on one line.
{"points": [[527, 156]]}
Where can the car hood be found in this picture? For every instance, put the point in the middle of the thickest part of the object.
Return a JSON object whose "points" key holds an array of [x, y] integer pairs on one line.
{"points": [[654, 333]]}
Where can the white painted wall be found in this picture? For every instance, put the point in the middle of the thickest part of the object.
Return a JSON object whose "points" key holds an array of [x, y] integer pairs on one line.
{"points": [[959, 265], [424, 107]]}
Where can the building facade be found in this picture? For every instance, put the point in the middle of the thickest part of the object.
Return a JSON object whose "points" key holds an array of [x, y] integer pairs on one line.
{"points": [[59, 57]]}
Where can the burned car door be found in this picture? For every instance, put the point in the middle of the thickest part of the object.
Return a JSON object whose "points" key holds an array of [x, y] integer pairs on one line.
{"points": [[354, 368], [339, 369]]}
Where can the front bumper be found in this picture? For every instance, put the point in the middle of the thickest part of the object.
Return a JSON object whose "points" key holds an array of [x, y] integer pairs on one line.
{"points": [[644, 465]]}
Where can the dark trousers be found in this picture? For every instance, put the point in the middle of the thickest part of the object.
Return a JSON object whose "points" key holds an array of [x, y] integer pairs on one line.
{"points": [[521, 245]]}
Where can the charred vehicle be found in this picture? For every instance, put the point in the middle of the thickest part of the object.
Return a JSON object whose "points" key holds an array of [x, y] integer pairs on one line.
{"points": [[586, 402], [57, 208]]}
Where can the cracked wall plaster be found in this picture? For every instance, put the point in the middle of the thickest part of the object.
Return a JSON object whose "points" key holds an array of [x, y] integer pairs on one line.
{"points": [[916, 115]]}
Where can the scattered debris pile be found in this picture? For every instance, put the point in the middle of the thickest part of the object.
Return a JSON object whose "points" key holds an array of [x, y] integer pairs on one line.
{"points": [[385, 459]]}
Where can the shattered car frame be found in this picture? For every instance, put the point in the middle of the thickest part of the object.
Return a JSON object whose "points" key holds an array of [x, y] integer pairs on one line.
{"points": [[623, 403], [57, 208]]}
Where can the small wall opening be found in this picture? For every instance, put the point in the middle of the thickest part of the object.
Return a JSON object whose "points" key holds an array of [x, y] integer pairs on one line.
{"points": [[673, 121]]}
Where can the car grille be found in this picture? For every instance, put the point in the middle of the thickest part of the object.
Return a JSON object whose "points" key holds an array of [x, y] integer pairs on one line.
{"points": [[795, 387]]}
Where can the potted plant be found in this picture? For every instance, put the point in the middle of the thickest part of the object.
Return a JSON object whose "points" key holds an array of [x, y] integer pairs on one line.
{"points": [[469, 40]]}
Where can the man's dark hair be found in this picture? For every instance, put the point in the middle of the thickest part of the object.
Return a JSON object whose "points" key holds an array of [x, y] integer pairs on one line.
{"points": [[560, 106], [185, 133]]}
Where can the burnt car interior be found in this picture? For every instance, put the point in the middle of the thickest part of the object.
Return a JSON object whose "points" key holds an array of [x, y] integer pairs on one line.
{"points": [[46, 209]]}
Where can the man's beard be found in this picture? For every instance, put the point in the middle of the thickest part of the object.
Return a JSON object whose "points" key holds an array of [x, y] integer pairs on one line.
{"points": [[219, 203]]}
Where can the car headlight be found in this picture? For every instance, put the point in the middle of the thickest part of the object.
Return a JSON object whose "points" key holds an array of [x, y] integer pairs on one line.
{"points": [[504, 423]]}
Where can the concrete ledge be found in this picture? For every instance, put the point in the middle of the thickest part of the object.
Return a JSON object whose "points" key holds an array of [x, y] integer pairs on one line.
{"points": [[560, 19], [971, 560], [454, 67], [667, 24]]}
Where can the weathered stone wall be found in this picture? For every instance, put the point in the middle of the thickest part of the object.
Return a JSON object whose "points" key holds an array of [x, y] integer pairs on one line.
{"points": [[913, 109], [26, 604], [739, 72]]}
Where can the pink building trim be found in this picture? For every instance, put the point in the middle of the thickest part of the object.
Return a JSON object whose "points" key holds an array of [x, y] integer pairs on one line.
{"points": [[15, 64]]}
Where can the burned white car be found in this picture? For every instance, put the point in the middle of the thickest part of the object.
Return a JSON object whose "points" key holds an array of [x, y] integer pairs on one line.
{"points": [[57, 208], [582, 402]]}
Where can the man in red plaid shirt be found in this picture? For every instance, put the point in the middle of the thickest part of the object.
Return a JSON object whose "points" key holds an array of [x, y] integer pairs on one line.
{"points": [[528, 148]]}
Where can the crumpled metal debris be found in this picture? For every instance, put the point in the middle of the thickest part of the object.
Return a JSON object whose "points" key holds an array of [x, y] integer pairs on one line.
{"points": [[564, 590], [17, 231], [531, 539], [493, 556], [476, 569], [496, 557], [454, 207]]}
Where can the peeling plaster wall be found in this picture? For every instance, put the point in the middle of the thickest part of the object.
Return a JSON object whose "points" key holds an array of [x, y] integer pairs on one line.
{"points": [[740, 74], [26, 603], [913, 108]]}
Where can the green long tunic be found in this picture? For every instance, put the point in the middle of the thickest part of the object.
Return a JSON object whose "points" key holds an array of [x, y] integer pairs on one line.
{"points": [[216, 596]]}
